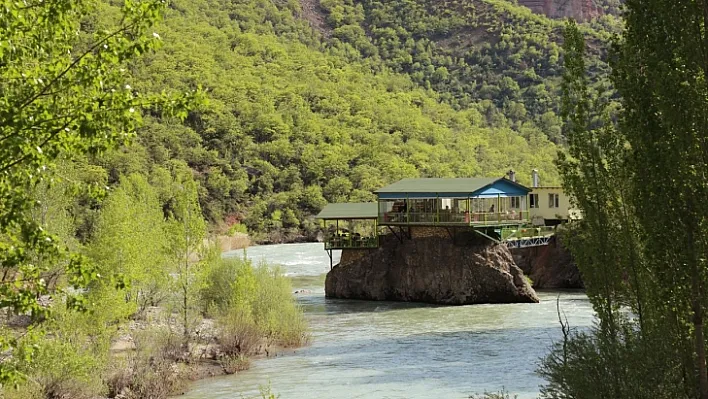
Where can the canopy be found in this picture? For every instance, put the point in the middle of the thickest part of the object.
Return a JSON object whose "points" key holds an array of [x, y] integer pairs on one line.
{"points": [[350, 210]]}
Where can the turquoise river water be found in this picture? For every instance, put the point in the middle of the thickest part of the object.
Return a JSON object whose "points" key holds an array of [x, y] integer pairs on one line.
{"points": [[364, 349]]}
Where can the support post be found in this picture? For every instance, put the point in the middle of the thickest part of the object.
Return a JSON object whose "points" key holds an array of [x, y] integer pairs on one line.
{"points": [[437, 208], [400, 239], [499, 208], [469, 211], [408, 210], [487, 236]]}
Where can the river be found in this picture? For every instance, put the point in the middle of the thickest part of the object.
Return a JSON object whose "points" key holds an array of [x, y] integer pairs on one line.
{"points": [[366, 349]]}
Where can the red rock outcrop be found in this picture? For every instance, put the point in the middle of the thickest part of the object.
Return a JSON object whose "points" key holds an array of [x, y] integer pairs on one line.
{"points": [[581, 10], [432, 269], [549, 267]]}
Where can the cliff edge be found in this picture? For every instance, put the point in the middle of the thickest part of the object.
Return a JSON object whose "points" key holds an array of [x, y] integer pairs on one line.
{"points": [[433, 267], [550, 266]]}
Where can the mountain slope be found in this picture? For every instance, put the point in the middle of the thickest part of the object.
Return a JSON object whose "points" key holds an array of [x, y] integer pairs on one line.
{"points": [[326, 101], [469, 51]]}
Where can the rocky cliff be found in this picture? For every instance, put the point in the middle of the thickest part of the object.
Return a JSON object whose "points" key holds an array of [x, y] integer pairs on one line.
{"points": [[432, 268], [581, 10], [550, 266]]}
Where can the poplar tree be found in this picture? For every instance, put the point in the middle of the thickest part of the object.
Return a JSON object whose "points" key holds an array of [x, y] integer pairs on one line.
{"points": [[603, 243], [131, 242], [661, 70], [642, 188]]}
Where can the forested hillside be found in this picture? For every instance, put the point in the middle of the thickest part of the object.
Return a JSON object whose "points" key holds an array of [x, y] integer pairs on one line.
{"points": [[326, 101]]}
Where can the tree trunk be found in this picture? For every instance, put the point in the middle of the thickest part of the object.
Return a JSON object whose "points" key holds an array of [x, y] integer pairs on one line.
{"points": [[700, 347]]}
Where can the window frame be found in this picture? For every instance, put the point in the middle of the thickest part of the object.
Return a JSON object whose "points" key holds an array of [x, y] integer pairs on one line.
{"points": [[533, 201], [515, 202], [553, 200]]}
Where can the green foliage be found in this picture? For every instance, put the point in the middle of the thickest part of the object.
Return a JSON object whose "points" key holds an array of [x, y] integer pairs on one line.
{"points": [[252, 303], [187, 234], [64, 94], [468, 51], [295, 120], [67, 356], [642, 243], [130, 241], [237, 228]]}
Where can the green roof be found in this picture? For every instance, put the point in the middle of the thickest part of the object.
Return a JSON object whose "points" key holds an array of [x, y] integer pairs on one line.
{"points": [[438, 185], [351, 210]]}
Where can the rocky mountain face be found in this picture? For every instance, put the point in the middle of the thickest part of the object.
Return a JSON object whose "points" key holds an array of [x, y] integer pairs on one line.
{"points": [[581, 10], [431, 267]]}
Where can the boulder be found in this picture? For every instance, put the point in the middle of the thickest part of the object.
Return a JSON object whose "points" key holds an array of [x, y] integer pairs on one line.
{"points": [[439, 268]]}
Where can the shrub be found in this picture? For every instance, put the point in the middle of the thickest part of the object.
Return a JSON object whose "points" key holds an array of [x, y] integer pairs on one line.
{"points": [[66, 357], [238, 333], [252, 301], [150, 372], [24, 391], [234, 364], [503, 394], [275, 310], [237, 228]]}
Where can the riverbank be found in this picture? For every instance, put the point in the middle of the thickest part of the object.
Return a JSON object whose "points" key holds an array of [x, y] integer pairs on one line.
{"points": [[245, 312], [210, 320], [206, 357]]}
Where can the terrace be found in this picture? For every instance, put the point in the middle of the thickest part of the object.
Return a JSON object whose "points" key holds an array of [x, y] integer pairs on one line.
{"points": [[350, 226], [453, 202]]}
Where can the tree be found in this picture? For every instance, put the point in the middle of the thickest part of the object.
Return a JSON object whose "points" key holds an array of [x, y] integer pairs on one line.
{"points": [[131, 242], [641, 188], [60, 94], [187, 232], [603, 243], [661, 71]]}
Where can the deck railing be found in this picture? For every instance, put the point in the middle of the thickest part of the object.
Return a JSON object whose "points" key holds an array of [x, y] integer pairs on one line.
{"points": [[350, 241], [446, 218], [527, 232]]}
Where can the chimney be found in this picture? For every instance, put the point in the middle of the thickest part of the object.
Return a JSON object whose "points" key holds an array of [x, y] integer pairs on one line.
{"points": [[511, 175], [535, 180]]}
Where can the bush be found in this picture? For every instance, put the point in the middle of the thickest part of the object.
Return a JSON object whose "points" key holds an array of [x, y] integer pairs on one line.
{"points": [[275, 310], [150, 371], [66, 357], [234, 364], [237, 228], [503, 394], [593, 365], [238, 334], [252, 302]]}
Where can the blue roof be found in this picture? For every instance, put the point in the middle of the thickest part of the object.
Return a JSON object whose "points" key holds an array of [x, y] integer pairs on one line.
{"points": [[452, 188]]}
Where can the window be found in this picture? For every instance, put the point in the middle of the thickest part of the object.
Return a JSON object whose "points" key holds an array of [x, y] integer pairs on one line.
{"points": [[553, 200], [533, 200], [515, 202]]}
